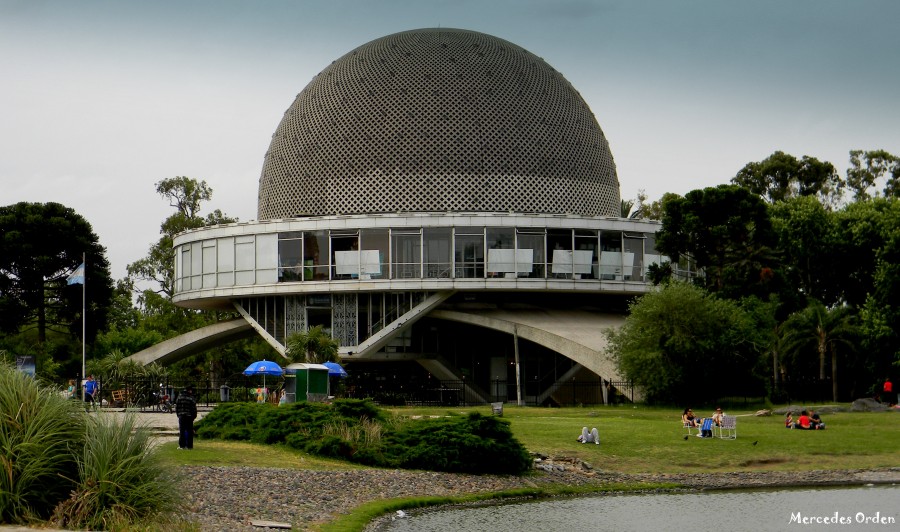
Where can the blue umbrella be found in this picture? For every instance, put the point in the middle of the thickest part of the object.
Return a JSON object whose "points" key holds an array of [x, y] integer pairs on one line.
{"points": [[264, 367], [335, 369]]}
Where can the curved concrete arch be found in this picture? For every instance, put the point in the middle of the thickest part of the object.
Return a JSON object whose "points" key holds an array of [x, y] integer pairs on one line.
{"points": [[575, 334], [194, 342]]}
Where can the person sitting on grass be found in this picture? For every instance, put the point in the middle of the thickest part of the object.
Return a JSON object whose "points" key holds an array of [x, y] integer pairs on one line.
{"points": [[589, 437], [789, 420], [803, 422], [815, 421]]}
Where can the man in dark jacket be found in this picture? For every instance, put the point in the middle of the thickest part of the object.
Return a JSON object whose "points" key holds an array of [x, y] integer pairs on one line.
{"points": [[186, 410]]}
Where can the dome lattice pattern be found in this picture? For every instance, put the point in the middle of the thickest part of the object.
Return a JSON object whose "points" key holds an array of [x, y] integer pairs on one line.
{"points": [[438, 120]]}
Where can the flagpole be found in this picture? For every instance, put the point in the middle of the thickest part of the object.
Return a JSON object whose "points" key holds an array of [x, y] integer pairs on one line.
{"points": [[83, 319]]}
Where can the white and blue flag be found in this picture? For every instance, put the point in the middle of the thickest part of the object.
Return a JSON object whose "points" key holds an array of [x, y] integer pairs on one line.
{"points": [[77, 277]]}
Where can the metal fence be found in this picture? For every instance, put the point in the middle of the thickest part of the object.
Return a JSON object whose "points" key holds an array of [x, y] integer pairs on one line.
{"points": [[145, 395]]}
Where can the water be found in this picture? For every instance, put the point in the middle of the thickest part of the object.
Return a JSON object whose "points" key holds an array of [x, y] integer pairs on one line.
{"points": [[757, 510]]}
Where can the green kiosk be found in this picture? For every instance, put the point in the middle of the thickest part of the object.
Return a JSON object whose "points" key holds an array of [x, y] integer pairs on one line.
{"points": [[305, 382]]}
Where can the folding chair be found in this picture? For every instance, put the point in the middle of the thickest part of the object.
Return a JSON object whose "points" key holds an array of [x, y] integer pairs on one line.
{"points": [[727, 429], [688, 427], [706, 427]]}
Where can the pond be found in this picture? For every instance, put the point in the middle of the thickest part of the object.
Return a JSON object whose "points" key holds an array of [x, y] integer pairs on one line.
{"points": [[855, 508]]}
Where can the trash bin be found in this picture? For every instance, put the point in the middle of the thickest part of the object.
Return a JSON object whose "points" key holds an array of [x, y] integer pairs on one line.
{"points": [[224, 394]]}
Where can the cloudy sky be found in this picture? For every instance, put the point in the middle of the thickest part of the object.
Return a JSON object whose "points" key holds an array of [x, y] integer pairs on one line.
{"points": [[99, 100]]}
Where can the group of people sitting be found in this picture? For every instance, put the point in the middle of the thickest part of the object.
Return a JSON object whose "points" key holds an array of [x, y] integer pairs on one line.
{"points": [[807, 421], [689, 420]]}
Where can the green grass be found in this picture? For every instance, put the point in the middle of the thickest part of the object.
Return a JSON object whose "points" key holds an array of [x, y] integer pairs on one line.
{"points": [[633, 440], [640, 439], [242, 454]]}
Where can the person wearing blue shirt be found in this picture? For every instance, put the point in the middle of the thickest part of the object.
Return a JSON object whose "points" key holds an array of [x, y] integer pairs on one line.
{"points": [[90, 388]]}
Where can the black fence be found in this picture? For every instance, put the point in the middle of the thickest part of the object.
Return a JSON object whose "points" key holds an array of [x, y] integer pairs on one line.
{"points": [[146, 395]]}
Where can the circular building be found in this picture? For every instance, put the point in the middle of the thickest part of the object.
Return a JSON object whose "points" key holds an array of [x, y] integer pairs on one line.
{"points": [[446, 206]]}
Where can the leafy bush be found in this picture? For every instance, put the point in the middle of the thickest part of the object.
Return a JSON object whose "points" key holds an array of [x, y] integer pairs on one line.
{"points": [[358, 431], [120, 480], [472, 444], [38, 430]]}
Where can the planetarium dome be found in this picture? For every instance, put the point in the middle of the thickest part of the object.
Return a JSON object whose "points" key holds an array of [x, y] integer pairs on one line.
{"points": [[438, 120]]}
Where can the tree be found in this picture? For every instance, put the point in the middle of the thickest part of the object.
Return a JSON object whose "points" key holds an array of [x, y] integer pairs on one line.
{"points": [[653, 210], [823, 329], [40, 245], [782, 176], [878, 164], [808, 244], [682, 344], [314, 346], [727, 231], [186, 195]]}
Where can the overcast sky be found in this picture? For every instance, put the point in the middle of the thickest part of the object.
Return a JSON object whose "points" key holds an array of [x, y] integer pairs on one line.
{"points": [[99, 100]]}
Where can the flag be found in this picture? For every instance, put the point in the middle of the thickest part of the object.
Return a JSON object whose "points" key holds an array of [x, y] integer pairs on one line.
{"points": [[77, 277]]}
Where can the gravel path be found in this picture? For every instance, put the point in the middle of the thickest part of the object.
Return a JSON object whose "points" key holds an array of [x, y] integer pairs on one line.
{"points": [[227, 498]]}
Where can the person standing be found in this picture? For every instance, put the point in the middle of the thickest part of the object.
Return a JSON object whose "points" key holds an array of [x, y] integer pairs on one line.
{"points": [[888, 389], [186, 410], [90, 388]]}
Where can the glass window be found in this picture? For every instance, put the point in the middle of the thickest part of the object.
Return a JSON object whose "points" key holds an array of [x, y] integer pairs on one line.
{"points": [[406, 254], [532, 240], [501, 257], [315, 255], [225, 251], [436, 252], [469, 254], [611, 255], [345, 254], [559, 249], [633, 256], [586, 255], [290, 256], [374, 258]]}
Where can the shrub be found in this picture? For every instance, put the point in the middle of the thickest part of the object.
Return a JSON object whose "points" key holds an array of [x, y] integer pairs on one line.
{"points": [[358, 431], [38, 430], [473, 444], [120, 481]]}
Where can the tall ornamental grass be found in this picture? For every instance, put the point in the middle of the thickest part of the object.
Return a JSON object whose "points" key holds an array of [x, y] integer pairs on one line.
{"points": [[38, 430], [120, 479]]}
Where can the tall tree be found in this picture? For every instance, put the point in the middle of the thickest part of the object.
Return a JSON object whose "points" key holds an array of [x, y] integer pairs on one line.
{"points": [[158, 313], [727, 231], [40, 245], [782, 176], [867, 168], [808, 243], [682, 344], [825, 330], [186, 195]]}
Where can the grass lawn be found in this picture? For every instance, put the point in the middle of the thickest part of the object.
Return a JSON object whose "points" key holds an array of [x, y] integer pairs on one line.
{"points": [[634, 439], [641, 439]]}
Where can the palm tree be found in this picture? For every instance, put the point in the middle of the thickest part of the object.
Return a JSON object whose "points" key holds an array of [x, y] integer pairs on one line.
{"points": [[314, 346], [824, 329]]}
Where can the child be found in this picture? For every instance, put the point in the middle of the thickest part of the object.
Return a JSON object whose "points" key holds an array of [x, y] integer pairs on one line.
{"points": [[789, 420]]}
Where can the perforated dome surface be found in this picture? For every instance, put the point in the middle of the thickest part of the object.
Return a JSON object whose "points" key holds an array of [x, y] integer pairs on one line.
{"points": [[438, 120]]}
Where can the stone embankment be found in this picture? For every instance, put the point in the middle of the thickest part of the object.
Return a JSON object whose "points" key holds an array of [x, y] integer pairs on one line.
{"points": [[228, 498]]}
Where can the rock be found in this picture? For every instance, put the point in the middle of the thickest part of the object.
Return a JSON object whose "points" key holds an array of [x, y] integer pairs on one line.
{"points": [[867, 405], [761, 413]]}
